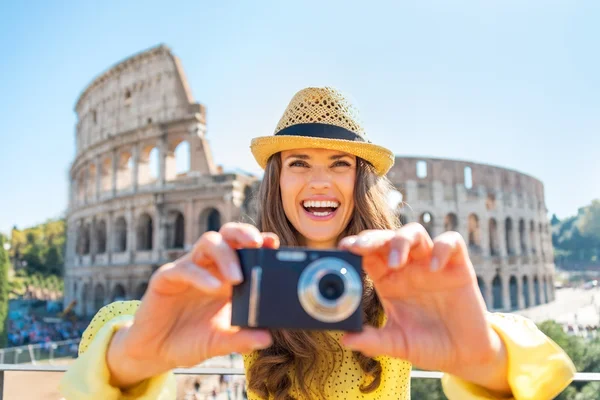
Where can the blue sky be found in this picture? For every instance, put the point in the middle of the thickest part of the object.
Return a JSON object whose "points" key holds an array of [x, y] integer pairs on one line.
{"points": [[510, 83]]}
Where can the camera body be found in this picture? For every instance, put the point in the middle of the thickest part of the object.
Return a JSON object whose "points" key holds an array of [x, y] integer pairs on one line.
{"points": [[299, 288]]}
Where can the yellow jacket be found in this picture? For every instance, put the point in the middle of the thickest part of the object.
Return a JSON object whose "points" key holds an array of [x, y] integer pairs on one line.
{"points": [[538, 368]]}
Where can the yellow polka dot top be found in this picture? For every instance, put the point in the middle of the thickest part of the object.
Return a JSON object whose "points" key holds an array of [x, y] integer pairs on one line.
{"points": [[537, 368], [346, 380]]}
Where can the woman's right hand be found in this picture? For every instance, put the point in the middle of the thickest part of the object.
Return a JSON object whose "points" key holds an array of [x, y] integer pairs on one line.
{"points": [[184, 317]]}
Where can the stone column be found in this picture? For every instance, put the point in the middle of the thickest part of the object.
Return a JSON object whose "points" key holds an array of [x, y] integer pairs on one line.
{"points": [[540, 243], [73, 194], [487, 295], [110, 236], [532, 301], [505, 292], [131, 234], [86, 184], [98, 177], [135, 154], [93, 240], [108, 291], [484, 234], [162, 159], [520, 297], [115, 170], [501, 233], [159, 231], [190, 220]]}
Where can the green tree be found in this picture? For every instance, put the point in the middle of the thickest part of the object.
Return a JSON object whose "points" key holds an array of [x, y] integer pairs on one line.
{"points": [[589, 222], [4, 265], [430, 389]]}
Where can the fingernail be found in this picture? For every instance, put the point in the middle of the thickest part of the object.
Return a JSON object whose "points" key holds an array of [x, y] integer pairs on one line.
{"points": [[261, 345], [364, 241], [394, 258], [435, 264], [257, 237], [349, 241], [213, 282], [235, 273]]}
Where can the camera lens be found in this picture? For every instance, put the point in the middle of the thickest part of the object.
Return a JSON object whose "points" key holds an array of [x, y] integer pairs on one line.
{"points": [[331, 286], [330, 289]]}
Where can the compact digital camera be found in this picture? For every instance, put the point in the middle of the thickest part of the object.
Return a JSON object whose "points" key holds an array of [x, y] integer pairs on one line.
{"points": [[299, 288]]}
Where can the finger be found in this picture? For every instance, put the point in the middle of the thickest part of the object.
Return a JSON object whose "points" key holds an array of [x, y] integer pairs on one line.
{"points": [[446, 247], [238, 235], [241, 341], [270, 240], [373, 342], [366, 242], [411, 242], [213, 248], [170, 277]]}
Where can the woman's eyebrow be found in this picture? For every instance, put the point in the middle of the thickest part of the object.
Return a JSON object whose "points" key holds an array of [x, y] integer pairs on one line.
{"points": [[338, 156], [301, 156]]}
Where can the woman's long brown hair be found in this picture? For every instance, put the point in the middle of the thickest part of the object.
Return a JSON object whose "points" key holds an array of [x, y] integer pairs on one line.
{"points": [[306, 351]]}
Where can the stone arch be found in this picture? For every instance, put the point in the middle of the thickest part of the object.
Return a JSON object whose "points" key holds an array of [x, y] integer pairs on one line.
{"points": [[175, 230], [514, 293], [119, 293], [527, 300], [124, 170], [99, 297], [474, 233], [426, 219], [536, 290], [509, 236], [145, 232], [210, 220], [451, 222], [498, 301], [182, 159], [493, 230], [91, 190], [101, 237], [105, 175], [141, 290], [148, 165], [120, 237], [85, 238], [522, 236]]}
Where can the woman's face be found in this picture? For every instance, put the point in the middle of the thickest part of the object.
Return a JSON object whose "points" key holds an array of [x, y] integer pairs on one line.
{"points": [[317, 192]]}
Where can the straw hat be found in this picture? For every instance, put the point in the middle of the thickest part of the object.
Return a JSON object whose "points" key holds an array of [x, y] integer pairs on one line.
{"points": [[321, 118]]}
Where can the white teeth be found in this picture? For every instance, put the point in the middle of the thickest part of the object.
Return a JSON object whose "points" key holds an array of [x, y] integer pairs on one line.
{"points": [[311, 203], [321, 214]]}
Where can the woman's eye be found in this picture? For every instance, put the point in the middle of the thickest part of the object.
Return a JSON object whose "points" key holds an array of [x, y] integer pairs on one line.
{"points": [[298, 163], [341, 163]]}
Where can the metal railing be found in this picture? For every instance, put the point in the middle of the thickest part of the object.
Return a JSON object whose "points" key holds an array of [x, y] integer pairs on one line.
{"points": [[32, 353], [415, 374]]}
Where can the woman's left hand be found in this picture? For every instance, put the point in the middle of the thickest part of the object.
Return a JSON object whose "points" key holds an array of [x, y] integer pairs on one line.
{"points": [[436, 316]]}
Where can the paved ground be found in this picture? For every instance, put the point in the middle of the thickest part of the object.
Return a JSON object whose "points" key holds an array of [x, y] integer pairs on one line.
{"points": [[572, 306]]}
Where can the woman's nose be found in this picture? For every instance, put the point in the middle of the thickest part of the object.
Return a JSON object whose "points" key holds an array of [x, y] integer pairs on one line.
{"points": [[320, 180]]}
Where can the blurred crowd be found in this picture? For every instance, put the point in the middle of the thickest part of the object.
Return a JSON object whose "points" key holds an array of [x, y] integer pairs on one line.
{"points": [[30, 330]]}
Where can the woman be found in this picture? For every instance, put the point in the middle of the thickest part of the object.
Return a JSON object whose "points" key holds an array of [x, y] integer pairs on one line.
{"points": [[324, 187]]}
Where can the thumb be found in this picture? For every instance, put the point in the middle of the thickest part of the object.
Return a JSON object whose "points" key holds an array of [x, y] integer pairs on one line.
{"points": [[242, 341], [373, 342]]}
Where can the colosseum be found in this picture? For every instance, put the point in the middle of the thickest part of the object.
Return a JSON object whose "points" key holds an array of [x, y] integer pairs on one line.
{"points": [[144, 187]]}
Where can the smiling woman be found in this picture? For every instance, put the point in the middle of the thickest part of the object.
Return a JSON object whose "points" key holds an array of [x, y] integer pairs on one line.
{"points": [[324, 187]]}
